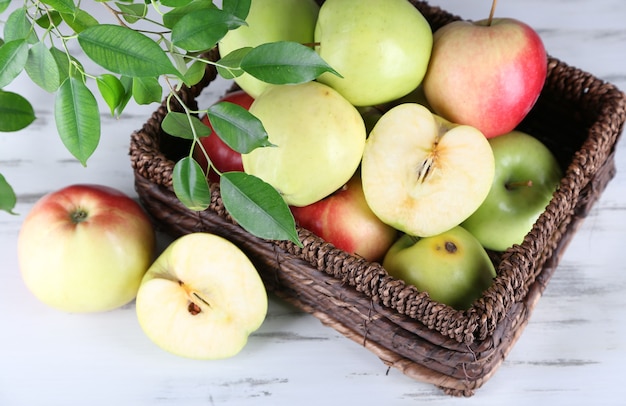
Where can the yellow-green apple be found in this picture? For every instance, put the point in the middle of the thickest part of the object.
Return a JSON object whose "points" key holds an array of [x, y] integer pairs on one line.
{"points": [[84, 248], [380, 48], [452, 266], [271, 21], [487, 74], [527, 175], [345, 220], [422, 174], [201, 298], [222, 157], [318, 136]]}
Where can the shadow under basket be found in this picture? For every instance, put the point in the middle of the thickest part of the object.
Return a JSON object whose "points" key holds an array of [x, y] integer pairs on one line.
{"points": [[579, 117]]}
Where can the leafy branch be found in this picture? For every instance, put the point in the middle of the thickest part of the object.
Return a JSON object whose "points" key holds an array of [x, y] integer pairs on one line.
{"points": [[142, 58]]}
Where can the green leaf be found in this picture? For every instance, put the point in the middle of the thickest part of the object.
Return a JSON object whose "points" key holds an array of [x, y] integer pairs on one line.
{"points": [[112, 90], [7, 196], [257, 207], [67, 67], [77, 118], [175, 3], [229, 66], [238, 8], [202, 29], [237, 127], [285, 62], [80, 20], [195, 73], [147, 90], [180, 125], [63, 6], [127, 82], [125, 51], [133, 12], [52, 18], [171, 18], [190, 184], [4, 4], [16, 112], [42, 68], [17, 27], [13, 57]]}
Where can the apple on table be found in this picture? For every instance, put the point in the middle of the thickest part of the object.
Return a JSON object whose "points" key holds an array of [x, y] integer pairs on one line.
{"points": [[201, 298], [85, 248]]}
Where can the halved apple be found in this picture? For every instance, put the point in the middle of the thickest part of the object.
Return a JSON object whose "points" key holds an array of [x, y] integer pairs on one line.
{"points": [[422, 174], [201, 298]]}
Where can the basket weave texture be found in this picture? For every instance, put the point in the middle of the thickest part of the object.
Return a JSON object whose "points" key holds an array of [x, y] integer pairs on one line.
{"points": [[579, 117]]}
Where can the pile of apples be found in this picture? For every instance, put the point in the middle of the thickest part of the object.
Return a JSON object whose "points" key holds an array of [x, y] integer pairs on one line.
{"points": [[410, 156]]}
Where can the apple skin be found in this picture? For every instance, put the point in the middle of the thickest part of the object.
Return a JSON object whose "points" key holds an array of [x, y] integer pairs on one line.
{"points": [[452, 266], [201, 298], [223, 157], [513, 205], [85, 248], [345, 220], [271, 21], [381, 48], [486, 76], [318, 139]]}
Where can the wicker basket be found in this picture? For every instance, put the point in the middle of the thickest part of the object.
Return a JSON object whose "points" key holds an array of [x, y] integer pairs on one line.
{"points": [[579, 117]]}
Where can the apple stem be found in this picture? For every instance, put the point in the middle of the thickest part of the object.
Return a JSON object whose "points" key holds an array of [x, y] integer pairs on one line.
{"points": [[492, 12], [79, 215], [522, 183]]}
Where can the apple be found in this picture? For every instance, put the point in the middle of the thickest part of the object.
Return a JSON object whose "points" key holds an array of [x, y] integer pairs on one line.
{"points": [[345, 220], [201, 298], [223, 157], [452, 267], [84, 248], [380, 48], [487, 74], [271, 21], [318, 136], [527, 175], [422, 174]]}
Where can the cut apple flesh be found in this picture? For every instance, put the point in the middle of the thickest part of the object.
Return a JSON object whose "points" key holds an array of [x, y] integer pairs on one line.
{"points": [[422, 174], [201, 298]]}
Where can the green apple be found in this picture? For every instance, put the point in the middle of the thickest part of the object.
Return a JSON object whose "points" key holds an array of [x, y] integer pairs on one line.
{"points": [[201, 298], [271, 21], [381, 48], [318, 136], [452, 267], [487, 74], [84, 248], [527, 175], [422, 174]]}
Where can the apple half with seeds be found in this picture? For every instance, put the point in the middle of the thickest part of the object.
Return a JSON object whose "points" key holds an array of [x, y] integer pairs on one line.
{"points": [[422, 174], [201, 298]]}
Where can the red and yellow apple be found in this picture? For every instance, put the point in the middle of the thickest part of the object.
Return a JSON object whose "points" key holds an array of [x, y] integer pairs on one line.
{"points": [[345, 220], [487, 74], [85, 248]]}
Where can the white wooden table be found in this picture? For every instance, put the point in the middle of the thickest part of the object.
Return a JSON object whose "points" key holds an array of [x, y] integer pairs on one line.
{"points": [[572, 352]]}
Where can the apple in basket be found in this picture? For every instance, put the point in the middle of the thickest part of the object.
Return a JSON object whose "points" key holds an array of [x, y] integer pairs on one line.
{"points": [[527, 174], [222, 157], [85, 248], [452, 267], [318, 139], [345, 220], [422, 174], [380, 48], [487, 73], [270, 21], [201, 298]]}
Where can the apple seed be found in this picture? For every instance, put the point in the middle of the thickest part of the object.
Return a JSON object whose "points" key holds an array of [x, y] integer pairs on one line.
{"points": [[193, 308], [424, 170]]}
